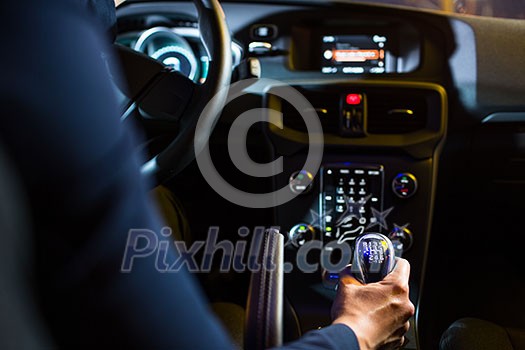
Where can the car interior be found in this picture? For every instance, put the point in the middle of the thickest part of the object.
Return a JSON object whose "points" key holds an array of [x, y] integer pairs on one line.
{"points": [[417, 119]]}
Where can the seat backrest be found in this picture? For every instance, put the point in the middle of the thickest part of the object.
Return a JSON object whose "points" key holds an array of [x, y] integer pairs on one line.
{"points": [[20, 324]]}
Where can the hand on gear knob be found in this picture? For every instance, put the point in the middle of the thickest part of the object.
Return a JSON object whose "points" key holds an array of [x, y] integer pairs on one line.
{"points": [[374, 258]]}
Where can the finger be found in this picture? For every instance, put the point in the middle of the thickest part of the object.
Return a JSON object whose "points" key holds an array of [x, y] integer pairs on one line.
{"points": [[394, 340], [348, 279], [406, 327], [397, 344], [394, 344], [397, 339], [401, 271], [402, 330], [401, 343]]}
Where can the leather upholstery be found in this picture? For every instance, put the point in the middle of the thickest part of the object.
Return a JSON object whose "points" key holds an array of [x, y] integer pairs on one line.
{"points": [[264, 312]]}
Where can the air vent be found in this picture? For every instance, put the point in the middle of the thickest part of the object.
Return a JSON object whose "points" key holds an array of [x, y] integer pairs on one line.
{"points": [[326, 106], [142, 22], [388, 111], [396, 112], [128, 24]]}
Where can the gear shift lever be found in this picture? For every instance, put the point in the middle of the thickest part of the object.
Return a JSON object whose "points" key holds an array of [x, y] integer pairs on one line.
{"points": [[374, 258]]}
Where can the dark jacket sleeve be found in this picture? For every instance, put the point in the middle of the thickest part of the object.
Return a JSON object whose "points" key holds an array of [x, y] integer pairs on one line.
{"points": [[60, 124], [333, 337]]}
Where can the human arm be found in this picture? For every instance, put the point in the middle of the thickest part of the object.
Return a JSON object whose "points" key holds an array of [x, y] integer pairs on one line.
{"points": [[379, 312], [80, 168], [372, 316]]}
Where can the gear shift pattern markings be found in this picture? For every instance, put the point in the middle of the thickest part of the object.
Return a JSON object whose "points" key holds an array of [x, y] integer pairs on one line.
{"points": [[374, 258]]}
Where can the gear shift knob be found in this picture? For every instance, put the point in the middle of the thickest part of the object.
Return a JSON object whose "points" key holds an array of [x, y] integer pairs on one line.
{"points": [[374, 258]]}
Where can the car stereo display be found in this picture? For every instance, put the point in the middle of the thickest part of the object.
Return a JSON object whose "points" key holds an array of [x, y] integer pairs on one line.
{"points": [[353, 54]]}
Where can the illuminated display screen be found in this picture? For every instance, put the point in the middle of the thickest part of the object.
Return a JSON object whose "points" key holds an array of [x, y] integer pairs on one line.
{"points": [[353, 54]]}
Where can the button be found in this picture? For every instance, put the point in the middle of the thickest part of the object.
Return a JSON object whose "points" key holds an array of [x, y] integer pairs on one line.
{"points": [[264, 31], [354, 99], [340, 199], [259, 47], [340, 190], [255, 67]]}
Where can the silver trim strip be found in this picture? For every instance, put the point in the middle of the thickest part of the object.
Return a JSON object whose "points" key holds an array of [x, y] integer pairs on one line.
{"points": [[505, 117], [128, 111]]}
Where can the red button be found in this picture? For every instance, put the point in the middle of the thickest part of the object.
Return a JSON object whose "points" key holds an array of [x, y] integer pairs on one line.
{"points": [[353, 99]]}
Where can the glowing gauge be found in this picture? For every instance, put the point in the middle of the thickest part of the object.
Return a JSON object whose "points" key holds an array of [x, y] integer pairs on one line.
{"points": [[179, 59], [169, 48]]}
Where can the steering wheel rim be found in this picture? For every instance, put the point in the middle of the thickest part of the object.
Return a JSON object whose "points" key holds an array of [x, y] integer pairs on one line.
{"points": [[211, 95]]}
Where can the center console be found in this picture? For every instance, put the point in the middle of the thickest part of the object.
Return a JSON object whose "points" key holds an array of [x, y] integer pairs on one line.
{"points": [[350, 197], [378, 174]]}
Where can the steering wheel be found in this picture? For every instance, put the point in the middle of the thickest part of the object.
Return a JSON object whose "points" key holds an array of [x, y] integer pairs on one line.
{"points": [[182, 100]]}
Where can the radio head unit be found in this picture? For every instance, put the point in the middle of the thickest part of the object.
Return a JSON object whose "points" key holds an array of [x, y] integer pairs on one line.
{"points": [[354, 54], [372, 48]]}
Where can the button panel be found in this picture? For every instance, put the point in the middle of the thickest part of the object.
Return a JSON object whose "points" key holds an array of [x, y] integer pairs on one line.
{"points": [[348, 194]]}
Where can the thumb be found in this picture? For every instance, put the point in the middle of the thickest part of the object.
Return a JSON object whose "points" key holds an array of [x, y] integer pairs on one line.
{"points": [[346, 277]]}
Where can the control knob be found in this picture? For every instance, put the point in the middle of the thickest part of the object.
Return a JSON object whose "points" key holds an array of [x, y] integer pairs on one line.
{"points": [[402, 239], [300, 234]]}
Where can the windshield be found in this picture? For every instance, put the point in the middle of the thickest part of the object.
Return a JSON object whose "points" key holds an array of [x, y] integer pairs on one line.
{"points": [[491, 8]]}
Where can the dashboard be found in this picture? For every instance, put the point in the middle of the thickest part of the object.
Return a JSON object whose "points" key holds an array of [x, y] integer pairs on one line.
{"points": [[414, 105], [172, 40]]}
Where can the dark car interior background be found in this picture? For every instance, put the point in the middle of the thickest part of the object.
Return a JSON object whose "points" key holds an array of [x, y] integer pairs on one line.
{"points": [[423, 115]]}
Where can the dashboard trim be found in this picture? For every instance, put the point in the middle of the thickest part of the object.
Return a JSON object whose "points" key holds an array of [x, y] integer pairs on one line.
{"points": [[505, 117], [410, 141]]}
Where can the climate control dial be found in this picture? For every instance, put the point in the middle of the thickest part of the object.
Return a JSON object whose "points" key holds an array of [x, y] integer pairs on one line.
{"points": [[402, 239], [404, 185], [300, 234]]}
